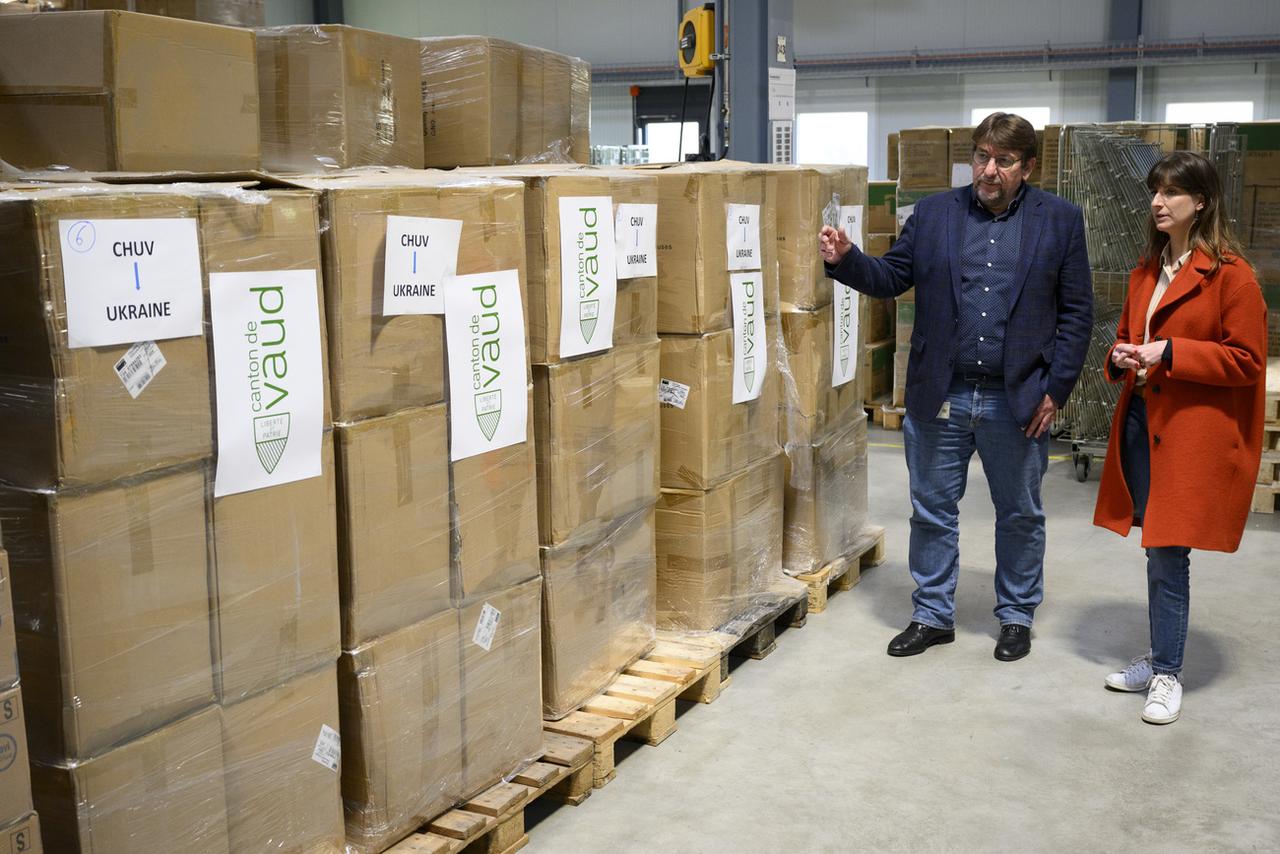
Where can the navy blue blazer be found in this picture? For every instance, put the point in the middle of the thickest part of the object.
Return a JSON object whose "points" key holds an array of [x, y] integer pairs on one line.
{"points": [[1050, 320]]}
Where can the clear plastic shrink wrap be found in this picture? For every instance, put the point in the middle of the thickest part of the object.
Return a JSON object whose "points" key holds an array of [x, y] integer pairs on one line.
{"points": [[81, 90], [335, 97], [231, 13]]}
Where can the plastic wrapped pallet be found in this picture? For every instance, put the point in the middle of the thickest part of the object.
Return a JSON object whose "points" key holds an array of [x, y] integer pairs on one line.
{"points": [[15, 776], [580, 110], [693, 243], [470, 100], [80, 89], [546, 186], [598, 609], [282, 767], [381, 361], [401, 713], [556, 118], [21, 836], [826, 497], [8, 638], [335, 97], [231, 13], [163, 792], [719, 549], [802, 197], [925, 159], [813, 403]]}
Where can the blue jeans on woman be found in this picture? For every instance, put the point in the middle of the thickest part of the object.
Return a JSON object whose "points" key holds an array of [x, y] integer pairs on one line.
{"points": [[1168, 567], [938, 453]]}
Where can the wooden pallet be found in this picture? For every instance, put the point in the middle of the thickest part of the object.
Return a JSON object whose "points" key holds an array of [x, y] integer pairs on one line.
{"points": [[873, 407], [640, 704], [1264, 498], [890, 417], [754, 633], [493, 821], [845, 571]]}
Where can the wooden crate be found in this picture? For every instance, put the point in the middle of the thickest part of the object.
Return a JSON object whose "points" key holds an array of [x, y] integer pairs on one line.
{"points": [[845, 571]]}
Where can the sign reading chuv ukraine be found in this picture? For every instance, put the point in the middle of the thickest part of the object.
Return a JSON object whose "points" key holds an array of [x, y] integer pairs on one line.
{"points": [[588, 274], [270, 378], [130, 280], [488, 390]]}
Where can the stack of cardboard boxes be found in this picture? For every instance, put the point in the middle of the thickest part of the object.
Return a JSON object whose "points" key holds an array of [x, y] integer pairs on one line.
{"points": [[438, 678], [823, 423], [594, 348], [878, 315], [177, 643], [1260, 229], [719, 519], [19, 826], [232, 13], [487, 101]]}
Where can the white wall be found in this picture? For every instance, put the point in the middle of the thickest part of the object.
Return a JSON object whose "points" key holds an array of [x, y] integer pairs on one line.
{"points": [[281, 12], [1184, 19]]}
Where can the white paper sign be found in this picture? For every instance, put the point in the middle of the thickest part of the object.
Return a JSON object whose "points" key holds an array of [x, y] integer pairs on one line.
{"points": [[750, 356], [844, 339], [851, 222], [328, 749], [486, 627], [588, 275], [421, 253], [129, 280], [961, 174], [270, 378], [743, 236], [484, 330], [904, 214], [139, 367], [636, 228], [673, 393]]}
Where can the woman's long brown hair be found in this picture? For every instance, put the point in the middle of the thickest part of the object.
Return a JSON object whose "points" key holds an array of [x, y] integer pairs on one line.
{"points": [[1211, 233]]}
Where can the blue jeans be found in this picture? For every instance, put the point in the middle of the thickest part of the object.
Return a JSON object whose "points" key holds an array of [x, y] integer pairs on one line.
{"points": [[938, 454], [1168, 567]]}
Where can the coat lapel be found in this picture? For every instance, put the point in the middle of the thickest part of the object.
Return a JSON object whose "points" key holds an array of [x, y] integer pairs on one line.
{"points": [[955, 238], [1185, 282], [1032, 228]]}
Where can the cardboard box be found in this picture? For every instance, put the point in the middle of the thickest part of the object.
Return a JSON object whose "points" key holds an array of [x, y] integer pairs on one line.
{"points": [[802, 195], [905, 323], [400, 704], [882, 207], [279, 794], [240, 236], [67, 418], [335, 97], [693, 277], [900, 360], [21, 836], [877, 369], [532, 133], [712, 438], [878, 315], [231, 13], [879, 244], [718, 547], [112, 595], [275, 582], [597, 427], [925, 159], [382, 363], [1262, 154], [501, 686], [15, 778], [1262, 214], [163, 792], [8, 639], [580, 110], [557, 125], [812, 405], [597, 610], [545, 186], [892, 160], [80, 89], [494, 513], [470, 100], [393, 521], [826, 497], [1050, 156]]}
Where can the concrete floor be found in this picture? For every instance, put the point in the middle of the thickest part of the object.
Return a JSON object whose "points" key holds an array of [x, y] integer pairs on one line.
{"points": [[830, 745]]}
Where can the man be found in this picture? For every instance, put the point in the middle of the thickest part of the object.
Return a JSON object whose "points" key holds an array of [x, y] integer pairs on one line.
{"points": [[1004, 308]]}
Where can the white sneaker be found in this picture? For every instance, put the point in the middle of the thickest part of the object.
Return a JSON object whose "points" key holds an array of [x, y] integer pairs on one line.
{"points": [[1135, 677], [1164, 700]]}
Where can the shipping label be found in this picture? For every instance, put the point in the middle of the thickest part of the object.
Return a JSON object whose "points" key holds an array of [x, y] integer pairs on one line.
{"points": [[486, 627], [636, 230], [139, 367], [673, 393], [743, 237], [421, 253]]}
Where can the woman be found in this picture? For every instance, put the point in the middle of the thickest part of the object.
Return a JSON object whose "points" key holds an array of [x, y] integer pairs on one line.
{"points": [[1186, 439]]}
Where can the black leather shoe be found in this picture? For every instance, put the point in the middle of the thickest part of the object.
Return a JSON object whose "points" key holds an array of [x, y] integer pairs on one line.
{"points": [[918, 637], [1014, 643]]}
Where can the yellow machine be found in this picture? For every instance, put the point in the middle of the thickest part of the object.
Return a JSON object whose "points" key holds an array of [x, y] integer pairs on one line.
{"points": [[698, 41]]}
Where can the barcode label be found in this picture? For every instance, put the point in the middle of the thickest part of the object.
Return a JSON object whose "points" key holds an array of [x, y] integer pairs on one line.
{"points": [[328, 750], [486, 627], [673, 393], [139, 367]]}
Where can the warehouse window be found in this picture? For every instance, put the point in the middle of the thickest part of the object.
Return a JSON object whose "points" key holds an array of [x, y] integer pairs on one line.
{"points": [[1205, 112], [663, 139], [1038, 116], [831, 138]]}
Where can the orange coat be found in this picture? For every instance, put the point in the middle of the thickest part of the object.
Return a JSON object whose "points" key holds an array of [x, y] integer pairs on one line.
{"points": [[1204, 411]]}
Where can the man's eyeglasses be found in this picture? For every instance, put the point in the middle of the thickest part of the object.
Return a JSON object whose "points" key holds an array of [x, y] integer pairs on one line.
{"points": [[1004, 162]]}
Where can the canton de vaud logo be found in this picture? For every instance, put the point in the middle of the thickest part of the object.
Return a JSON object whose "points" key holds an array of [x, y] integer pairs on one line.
{"points": [[588, 270], [486, 352], [268, 373], [749, 334], [845, 320]]}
